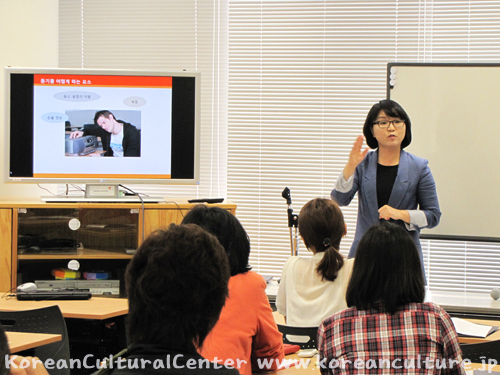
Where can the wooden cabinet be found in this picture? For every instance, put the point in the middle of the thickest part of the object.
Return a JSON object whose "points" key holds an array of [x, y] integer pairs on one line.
{"points": [[5, 248], [104, 231]]}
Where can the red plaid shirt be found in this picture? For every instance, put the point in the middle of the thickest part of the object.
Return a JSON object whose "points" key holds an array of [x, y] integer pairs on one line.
{"points": [[419, 338]]}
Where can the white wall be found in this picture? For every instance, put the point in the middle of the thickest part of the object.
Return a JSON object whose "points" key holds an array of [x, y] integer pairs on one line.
{"points": [[29, 37]]}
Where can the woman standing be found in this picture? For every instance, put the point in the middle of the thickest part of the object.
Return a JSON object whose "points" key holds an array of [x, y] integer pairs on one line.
{"points": [[313, 289], [391, 183]]}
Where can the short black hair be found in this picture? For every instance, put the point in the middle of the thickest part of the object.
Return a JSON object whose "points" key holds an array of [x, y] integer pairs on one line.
{"points": [[228, 230], [104, 113], [386, 270], [391, 109], [4, 350], [177, 284]]}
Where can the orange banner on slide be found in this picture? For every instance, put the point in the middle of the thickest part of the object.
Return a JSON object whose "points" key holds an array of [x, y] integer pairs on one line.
{"points": [[102, 81], [103, 176]]}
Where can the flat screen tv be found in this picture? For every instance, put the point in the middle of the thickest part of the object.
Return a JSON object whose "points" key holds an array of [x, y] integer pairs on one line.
{"points": [[99, 126]]}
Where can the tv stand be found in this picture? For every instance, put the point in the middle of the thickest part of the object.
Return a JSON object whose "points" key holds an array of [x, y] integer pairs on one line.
{"points": [[123, 199], [106, 230]]}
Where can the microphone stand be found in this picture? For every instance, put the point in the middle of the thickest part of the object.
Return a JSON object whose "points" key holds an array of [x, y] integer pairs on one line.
{"points": [[293, 221]]}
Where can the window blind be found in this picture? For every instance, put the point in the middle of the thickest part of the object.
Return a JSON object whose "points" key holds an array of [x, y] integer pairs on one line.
{"points": [[160, 36], [286, 86], [302, 77]]}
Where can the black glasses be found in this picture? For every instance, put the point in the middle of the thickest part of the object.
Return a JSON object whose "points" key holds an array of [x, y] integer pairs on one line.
{"points": [[385, 124]]}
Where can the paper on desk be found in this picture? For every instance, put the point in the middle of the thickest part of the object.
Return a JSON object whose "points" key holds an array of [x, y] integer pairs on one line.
{"points": [[286, 363], [466, 328]]}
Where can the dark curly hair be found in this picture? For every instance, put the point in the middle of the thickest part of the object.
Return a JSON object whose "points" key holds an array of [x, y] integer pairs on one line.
{"points": [[321, 225], [391, 109], [228, 230], [387, 270], [177, 284]]}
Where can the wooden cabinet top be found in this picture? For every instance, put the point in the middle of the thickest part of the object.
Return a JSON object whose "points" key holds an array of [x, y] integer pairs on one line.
{"points": [[170, 203]]}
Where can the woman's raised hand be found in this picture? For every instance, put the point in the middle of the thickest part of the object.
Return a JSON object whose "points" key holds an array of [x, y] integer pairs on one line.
{"points": [[355, 157]]}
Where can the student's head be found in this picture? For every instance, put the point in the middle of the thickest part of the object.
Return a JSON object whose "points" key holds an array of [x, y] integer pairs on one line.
{"points": [[177, 284], [105, 119], [386, 270], [228, 230], [104, 113], [391, 109], [321, 226], [4, 350]]}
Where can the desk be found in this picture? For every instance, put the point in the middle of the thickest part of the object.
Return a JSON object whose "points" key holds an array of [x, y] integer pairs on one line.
{"points": [[473, 304], [95, 334], [478, 308], [95, 308], [19, 341], [279, 319], [272, 290], [313, 369], [478, 305]]}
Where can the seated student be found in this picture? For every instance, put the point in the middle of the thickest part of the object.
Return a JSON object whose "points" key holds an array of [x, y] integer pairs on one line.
{"points": [[119, 138], [246, 329], [388, 327], [313, 289], [176, 285], [17, 365]]}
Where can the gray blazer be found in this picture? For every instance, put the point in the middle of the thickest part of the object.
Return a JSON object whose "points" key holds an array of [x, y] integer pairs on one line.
{"points": [[414, 190]]}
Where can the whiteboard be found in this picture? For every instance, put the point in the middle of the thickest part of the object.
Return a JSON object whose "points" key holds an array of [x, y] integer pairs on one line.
{"points": [[455, 116]]}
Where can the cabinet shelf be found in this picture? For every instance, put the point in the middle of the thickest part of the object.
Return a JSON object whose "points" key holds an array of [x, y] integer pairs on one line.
{"points": [[81, 254]]}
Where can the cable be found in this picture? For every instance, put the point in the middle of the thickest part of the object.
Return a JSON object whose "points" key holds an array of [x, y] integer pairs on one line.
{"points": [[138, 195], [179, 207], [9, 294], [77, 188]]}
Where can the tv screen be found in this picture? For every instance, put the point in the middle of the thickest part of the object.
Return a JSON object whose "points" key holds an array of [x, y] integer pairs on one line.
{"points": [[91, 126]]}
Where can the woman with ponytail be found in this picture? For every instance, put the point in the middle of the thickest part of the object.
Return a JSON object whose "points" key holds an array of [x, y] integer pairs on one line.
{"points": [[313, 289]]}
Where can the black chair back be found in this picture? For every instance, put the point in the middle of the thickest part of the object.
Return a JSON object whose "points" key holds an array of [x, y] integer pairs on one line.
{"points": [[44, 320], [488, 349], [305, 337]]}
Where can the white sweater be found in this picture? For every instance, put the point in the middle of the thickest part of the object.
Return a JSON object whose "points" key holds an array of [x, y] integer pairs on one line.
{"points": [[304, 298]]}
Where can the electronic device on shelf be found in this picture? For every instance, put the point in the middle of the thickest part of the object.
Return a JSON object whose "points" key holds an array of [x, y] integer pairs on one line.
{"points": [[44, 106], [39, 244], [96, 287], [38, 295]]}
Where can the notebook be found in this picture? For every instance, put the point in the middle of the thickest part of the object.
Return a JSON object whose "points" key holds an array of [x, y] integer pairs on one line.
{"points": [[466, 328]]}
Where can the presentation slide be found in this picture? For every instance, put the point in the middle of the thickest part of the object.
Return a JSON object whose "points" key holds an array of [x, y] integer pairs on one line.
{"points": [[68, 143]]}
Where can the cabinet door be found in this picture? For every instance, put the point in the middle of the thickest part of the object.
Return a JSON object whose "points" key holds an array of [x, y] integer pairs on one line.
{"points": [[5, 249], [161, 218], [155, 219]]}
